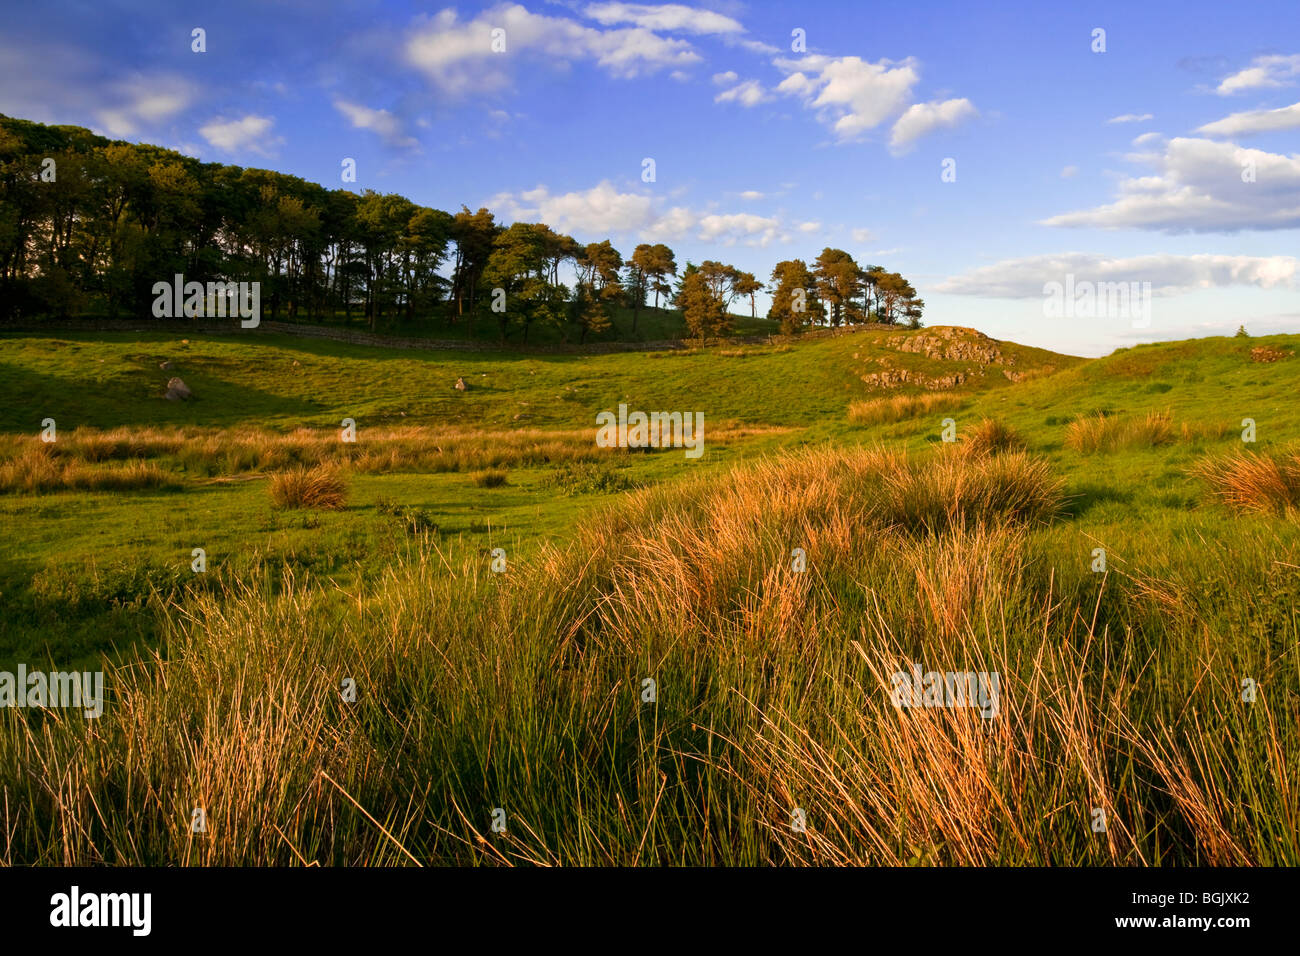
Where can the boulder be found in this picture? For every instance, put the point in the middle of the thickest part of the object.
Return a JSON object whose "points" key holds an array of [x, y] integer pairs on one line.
{"points": [[178, 390]]}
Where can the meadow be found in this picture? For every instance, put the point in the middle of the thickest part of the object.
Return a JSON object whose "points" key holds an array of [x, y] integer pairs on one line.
{"points": [[828, 538]]}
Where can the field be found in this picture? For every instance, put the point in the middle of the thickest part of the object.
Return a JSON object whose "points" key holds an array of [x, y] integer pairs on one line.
{"points": [[639, 658]]}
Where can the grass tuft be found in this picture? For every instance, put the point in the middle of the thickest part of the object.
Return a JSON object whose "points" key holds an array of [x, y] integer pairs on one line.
{"points": [[318, 488]]}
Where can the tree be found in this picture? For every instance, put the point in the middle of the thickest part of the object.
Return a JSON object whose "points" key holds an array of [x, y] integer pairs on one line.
{"points": [[662, 264], [473, 233], [894, 290], [520, 266], [744, 284], [639, 270], [702, 303], [794, 296], [912, 310], [587, 312], [838, 283]]}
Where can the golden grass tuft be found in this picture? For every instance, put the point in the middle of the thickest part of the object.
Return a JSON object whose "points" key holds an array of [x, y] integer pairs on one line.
{"points": [[897, 408], [489, 479], [1103, 433], [1249, 481], [319, 488], [38, 469], [990, 437]]}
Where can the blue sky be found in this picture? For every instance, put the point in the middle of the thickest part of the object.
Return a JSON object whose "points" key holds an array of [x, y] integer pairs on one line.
{"points": [[1172, 158]]}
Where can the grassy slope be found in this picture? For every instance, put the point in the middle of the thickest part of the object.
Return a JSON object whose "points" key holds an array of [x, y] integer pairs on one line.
{"points": [[90, 544], [1198, 596]]}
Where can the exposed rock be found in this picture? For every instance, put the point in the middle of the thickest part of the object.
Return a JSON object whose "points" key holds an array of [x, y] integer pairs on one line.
{"points": [[462, 385], [178, 390], [1267, 353], [953, 343], [898, 377]]}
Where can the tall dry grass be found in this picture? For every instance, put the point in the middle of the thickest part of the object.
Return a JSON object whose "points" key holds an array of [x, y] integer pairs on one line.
{"points": [[1250, 481], [526, 691], [37, 470], [320, 488], [990, 437], [897, 408], [206, 452], [1092, 434]]}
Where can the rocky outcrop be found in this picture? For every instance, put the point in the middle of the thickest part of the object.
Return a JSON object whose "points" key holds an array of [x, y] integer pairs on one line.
{"points": [[178, 391], [951, 343]]}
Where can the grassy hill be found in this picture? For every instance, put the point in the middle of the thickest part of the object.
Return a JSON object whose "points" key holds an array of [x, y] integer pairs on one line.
{"points": [[1123, 686]]}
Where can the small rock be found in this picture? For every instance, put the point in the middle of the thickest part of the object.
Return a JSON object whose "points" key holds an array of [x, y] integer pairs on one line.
{"points": [[178, 390], [461, 385], [295, 363]]}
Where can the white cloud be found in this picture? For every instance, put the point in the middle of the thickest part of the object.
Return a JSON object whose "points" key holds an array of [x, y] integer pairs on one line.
{"points": [[604, 211], [382, 122], [600, 210], [850, 94], [251, 133], [1198, 186], [458, 58], [748, 93], [862, 235], [668, 17], [809, 226], [722, 79], [1254, 121], [1069, 172], [1131, 118], [923, 118], [751, 194], [742, 226], [1024, 278], [1264, 72]]}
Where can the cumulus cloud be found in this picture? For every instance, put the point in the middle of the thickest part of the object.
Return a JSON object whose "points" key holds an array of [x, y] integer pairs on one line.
{"points": [[862, 235], [1024, 278], [668, 17], [1069, 172], [850, 94], [1198, 186], [249, 133], [604, 211], [459, 59], [746, 227], [1249, 122], [922, 118], [1264, 72], [751, 194], [748, 93], [853, 96], [722, 79], [1130, 118], [385, 124]]}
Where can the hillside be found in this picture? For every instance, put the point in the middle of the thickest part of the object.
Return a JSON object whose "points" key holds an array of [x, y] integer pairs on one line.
{"points": [[113, 379], [981, 554]]}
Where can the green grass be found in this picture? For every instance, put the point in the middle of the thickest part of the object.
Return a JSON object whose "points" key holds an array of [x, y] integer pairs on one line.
{"points": [[1124, 687]]}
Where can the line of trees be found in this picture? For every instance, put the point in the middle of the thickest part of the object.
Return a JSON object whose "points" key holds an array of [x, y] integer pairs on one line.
{"points": [[89, 225], [837, 291]]}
